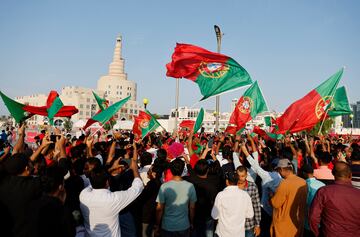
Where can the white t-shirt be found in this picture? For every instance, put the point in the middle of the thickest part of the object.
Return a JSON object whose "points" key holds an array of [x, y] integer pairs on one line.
{"points": [[231, 207], [101, 207]]}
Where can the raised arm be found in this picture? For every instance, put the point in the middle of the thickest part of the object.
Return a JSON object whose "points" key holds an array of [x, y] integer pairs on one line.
{"points": [[61, 142], [89, 146], [133, 164], [189, 143], [312, 153], [236, 144], [221, 142], [19, 146], [253, 146], [44, 144], [111, 153]]}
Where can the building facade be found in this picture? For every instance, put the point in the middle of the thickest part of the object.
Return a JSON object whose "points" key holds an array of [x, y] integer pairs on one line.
{"points": [[352, 121], [185, 113], [113, 86]]}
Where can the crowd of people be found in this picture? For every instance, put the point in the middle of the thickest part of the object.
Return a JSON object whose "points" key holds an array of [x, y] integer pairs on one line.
{"points": [[179, 184]]}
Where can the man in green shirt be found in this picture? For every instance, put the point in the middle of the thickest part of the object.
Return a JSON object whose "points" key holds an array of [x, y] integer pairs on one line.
{"points": [[175, 204]]}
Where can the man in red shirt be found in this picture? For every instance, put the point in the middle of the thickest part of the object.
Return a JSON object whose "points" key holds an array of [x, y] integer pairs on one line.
{"points": [[335, 207]]}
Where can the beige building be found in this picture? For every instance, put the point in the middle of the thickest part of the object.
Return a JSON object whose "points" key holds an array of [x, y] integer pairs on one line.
{"points": [[114, 86]]}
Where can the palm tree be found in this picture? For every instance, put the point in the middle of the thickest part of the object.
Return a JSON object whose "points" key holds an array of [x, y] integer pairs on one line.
{"points": [[68, 124]]}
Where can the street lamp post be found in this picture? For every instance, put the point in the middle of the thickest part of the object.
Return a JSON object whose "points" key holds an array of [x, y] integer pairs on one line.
{"points": [[351, 116], [145, 102], [218, 39]]}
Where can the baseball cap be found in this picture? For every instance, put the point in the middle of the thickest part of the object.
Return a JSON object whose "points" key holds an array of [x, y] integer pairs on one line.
{"points": [[283, 163]]}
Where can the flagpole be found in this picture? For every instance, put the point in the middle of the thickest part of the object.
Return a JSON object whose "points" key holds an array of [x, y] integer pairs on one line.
{"points": [[217, 103], [177, 103], [97, 130], [326, 111]]}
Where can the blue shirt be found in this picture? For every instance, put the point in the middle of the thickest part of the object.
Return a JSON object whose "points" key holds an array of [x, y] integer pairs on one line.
{"points": [[3, 136], [270, 182], [176, 195], [312, 187]]}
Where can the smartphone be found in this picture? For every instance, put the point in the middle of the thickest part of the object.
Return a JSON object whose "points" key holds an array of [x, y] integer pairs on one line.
{"points": [[210, 142]]}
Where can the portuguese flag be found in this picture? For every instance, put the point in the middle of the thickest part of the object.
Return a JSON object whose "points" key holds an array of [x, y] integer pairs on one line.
{"points": [[267, 135], [144, 124], [213, 72], [340, 103], [193, 125], [309, 110], [199, 120], [53, 108], [268, 121], [231, 129], [107, 113], [188, 124], [53, 104], [16, 109], [248, 106], [102, 102]]}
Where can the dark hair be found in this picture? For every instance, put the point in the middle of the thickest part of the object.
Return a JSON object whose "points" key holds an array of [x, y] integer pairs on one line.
{"points": [[78, 151], [287, 153], [325, 157], [158, 170], [307, 169], [201, 167], [241, 169], [227, 152], [161, 154], [177, 167], [145, 159], [232, 177], [355, 155], [78, 166], [98, 178], [94, 161], [53, 179], [16, 164], [341, 170]]}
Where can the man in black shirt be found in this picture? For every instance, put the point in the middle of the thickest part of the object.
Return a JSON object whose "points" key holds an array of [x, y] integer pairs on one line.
{"points": [[206, 187], [17, 190]]}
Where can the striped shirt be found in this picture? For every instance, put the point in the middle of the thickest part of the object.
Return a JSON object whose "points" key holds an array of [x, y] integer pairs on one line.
{"points": [[355, 180], [252, 190]]}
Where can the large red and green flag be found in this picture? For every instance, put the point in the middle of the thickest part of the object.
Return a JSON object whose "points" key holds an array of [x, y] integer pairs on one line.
{"points": [[199, 120], [103, 104], [248, 106], [21, 112], [232, 129], [144, 124], [16, 109], [213, 72], [267, 135], [340, 104], [107, 113], [268, 121], [187, 124], [193, 125], [53, 104], [309, 110]]}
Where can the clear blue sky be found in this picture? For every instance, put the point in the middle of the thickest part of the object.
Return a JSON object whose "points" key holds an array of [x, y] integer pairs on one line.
{"points": [[288, 46]]}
